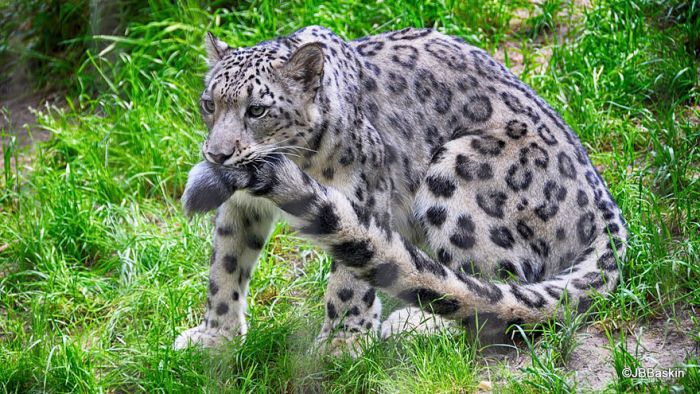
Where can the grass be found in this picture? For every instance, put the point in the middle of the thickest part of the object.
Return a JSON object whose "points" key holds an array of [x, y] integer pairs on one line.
{"points": [[99, 270]]}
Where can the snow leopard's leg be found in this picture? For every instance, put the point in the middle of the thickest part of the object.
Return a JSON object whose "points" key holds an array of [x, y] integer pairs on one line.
{"points": [[353, 310], [242, 227], [415, 321]]}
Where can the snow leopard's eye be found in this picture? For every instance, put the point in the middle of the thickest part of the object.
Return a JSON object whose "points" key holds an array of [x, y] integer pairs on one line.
{"points": [[256, 111], [208, 106]]}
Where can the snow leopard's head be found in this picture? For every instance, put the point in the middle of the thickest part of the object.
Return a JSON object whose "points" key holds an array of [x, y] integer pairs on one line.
{"points": [[259, 100]]}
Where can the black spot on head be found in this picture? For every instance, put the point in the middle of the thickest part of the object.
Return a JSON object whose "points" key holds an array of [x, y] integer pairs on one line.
{"points": [[347, 158], [235, 295]]}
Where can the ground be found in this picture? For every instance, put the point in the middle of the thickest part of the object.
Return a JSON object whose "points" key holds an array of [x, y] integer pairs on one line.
{"points": [[99, 269]]}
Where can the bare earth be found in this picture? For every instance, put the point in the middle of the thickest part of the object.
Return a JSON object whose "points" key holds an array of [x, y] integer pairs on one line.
{"points": [[656, 344], [17, 101]]}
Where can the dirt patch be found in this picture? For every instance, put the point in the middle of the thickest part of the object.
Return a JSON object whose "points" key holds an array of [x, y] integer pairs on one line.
{"points": [[17, 102], [537, 50], [655, 344]]}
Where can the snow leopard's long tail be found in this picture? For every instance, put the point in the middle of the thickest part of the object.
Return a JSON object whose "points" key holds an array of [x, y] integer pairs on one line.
{"points": [[374, 252]]}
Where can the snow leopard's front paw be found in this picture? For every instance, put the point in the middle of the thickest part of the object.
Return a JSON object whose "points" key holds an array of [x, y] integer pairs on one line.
{"points": [[201, 336], [351, 337], [344, 342]]}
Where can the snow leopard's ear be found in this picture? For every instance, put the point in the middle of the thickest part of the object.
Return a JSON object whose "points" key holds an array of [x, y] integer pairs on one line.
{"points": [[216, 49], [305, 67]]}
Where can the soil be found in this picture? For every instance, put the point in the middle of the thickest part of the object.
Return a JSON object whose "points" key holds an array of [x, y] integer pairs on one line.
{"points": [[657, 344], [17, 106]]}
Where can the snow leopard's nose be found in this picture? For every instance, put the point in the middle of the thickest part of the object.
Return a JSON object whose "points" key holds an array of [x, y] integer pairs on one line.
{"points": [[219, 158]]}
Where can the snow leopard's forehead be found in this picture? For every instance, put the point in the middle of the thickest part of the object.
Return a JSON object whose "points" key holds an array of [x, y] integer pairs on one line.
{"points": [[240, 71]]}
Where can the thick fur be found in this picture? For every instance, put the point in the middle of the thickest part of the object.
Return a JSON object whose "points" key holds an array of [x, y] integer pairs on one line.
{"points": [[426, 169]]}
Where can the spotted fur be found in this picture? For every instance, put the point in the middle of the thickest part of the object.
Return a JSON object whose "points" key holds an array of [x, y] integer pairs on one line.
{"points": [[374, 147]]}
